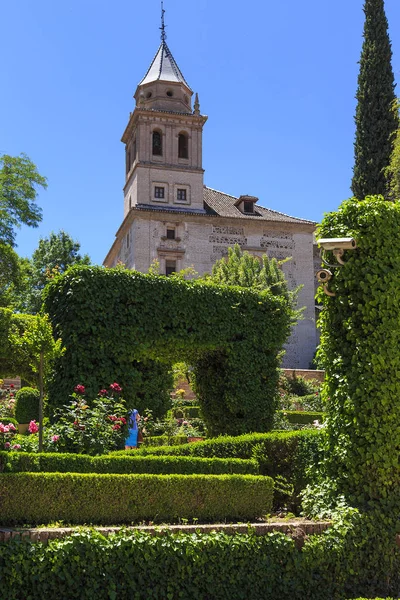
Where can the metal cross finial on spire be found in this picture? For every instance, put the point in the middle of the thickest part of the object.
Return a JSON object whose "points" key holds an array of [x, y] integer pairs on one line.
{"points": [[163, 32]]}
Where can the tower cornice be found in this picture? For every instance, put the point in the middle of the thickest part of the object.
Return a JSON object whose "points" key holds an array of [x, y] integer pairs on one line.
{"points": [[162, 116]]}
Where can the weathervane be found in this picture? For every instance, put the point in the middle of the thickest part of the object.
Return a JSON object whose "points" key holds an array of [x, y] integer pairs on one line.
{"points": [[163, 33]]}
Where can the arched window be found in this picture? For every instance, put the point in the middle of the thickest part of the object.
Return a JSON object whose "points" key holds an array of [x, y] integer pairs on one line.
{"points": [[157, 143], [183, 146]]}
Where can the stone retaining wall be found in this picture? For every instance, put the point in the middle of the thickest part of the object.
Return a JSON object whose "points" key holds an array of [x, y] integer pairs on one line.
{"points": [[306, 373], [297, 529]]}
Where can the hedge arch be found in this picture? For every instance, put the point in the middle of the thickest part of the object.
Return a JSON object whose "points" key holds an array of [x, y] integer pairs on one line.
{"points": [[120, 325]]}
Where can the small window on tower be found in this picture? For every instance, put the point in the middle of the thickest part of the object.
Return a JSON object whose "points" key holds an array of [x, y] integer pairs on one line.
{"points": [[181, 195], [159, 192], [128, 161], [170, 234], [157, 143], [170, 267], [183, 146]]}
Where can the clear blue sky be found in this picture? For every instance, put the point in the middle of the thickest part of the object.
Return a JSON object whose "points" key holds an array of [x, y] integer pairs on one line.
{"points": [[276, 79]]}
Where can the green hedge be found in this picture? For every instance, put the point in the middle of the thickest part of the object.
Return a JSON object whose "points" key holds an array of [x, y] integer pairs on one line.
{"points": [[132, 321], [164, 440], [8, 420], [240, 446], [37, 498], [303, 417], [17, 462], [141, 566], [27, 405], [186, 412], [285, 454]]}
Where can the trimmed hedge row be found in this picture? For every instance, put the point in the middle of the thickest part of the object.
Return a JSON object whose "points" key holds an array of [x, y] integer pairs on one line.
{"points": [[139, 566], [240, 446], [164, 440], [303, 417], [35, 498], [18, 462], [286, 454]]}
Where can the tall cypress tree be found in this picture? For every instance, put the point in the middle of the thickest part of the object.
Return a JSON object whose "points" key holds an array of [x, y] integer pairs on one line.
{"points": [[376, 122]]}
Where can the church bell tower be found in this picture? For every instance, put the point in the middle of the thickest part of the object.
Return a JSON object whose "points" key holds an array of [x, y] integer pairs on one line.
{"points": [[163, 140]]}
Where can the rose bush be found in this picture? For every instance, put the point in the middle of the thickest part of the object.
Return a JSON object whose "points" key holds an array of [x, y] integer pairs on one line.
{"points": [[7, 433], [95, 429]]}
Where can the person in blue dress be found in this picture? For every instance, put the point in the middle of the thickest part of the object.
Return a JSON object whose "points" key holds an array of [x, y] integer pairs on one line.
{"points": [[133, 430]]}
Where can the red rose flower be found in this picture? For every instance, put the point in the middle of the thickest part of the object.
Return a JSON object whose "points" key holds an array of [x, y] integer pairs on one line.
{"points": [[115, 387], [79, 389], [103, 393], [116, 427]]}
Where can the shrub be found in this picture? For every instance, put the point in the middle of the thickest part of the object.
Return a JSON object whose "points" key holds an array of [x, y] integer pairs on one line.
{"points": [[303, 417], [27, 405], [139, 565], [186, 412], [16, 462], [94, 429], [151, 321], [165, 440], [111, 499], [287, 454], [299, 386]]}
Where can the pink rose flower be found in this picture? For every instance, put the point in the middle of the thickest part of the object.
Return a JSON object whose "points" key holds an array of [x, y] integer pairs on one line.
{"points": [[79, 389], [11, 427], [7, 445], [33, 427], [103, 393], [55, 438], [16, 447]]}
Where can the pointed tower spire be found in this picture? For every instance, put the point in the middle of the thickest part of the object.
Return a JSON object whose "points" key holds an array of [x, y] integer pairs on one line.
{"points": [[163, 32], [196, 105]]}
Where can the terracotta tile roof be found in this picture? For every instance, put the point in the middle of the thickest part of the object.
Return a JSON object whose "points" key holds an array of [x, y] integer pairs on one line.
{"points": [[224, 206]]}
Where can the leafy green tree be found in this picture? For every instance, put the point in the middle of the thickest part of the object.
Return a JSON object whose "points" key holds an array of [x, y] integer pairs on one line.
{"points": [[10, 273], [393, 169], [40, 349], [53, 255], [19, 180], [243, 269], [376, 122]]}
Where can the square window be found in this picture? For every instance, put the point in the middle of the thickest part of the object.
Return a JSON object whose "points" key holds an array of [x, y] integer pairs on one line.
{"points": [[181, 195], [159, 192], [248, 207], [170, 267], [170, 234]]}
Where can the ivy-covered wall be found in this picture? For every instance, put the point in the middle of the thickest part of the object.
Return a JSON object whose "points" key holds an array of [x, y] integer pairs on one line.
{"points": [[124, 326], [361, 351]]}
